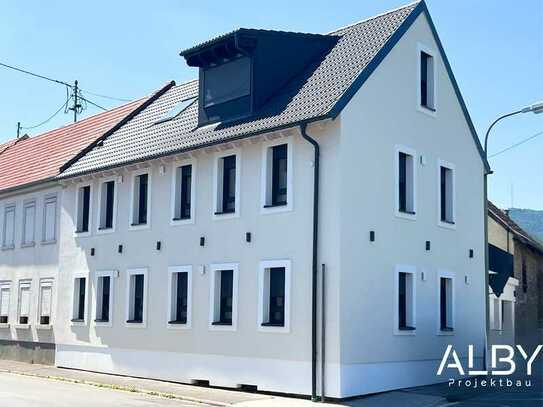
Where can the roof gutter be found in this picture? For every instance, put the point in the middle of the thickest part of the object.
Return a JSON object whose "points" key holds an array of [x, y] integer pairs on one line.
{"points": [[315, 144]]}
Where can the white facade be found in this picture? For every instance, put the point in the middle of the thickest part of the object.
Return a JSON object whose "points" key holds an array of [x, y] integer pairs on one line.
{"points": [[366, 351]]}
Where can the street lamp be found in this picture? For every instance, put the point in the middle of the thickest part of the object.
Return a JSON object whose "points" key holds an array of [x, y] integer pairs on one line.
{"points": [[534, 108]]}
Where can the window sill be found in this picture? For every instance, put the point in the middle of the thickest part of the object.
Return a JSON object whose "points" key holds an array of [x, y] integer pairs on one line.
{"points": [[77, 321], [410, 213], [220, 323], [27, 245], [102, 321], [432, 112], [407, 328], [446, 331], [104, 229], [48, 242], [134, 321], [277, 205], [136, 225], [431, 109], [5, 325], [81, 232], [272, 325], [47, 327], [224, 213], [11, 247], [22, 326], [181, 219], [177, 322], [447, 224]]}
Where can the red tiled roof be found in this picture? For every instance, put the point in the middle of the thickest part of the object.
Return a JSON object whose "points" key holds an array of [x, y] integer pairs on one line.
{"points": [[29, 160]]}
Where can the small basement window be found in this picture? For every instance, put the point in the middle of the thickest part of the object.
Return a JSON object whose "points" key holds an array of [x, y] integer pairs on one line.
{"points": [[446, 194], [226, 185], [107, 205], [46, 298], [179, 295], [276, 175], [446, 304], [5, 290], [83, 208], [183, 193], [140, 202], [24, 302], [103, 298], [136, 296], [79, 302], [427, 79], [405, 182]]}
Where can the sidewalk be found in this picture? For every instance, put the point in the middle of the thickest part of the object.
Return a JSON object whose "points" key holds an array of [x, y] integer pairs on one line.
{"points": [[211, 396]]}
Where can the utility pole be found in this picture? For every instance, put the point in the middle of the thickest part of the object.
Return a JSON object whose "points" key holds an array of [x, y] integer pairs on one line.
{"points": [[18, 129], [76, 106]]}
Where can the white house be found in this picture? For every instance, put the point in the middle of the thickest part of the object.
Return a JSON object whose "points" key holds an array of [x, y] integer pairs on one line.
{"points": [[194, 237]]}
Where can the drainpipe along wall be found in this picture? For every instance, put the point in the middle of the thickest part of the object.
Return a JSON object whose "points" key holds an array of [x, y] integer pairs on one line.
{"points": [[313, 142]]}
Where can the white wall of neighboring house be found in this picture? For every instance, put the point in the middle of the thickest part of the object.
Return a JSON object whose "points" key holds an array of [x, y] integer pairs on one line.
{"points": [[249, 354], [35, 262], [381, 116]]}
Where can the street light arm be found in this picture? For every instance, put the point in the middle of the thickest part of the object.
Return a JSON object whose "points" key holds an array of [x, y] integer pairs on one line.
{"points": [[492, 125]]}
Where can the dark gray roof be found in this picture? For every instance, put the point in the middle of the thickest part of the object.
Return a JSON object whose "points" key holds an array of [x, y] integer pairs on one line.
{"points": [[320, 92]]}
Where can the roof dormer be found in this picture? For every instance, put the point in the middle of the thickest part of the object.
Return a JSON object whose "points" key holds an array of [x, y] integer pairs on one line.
{"points": [[242, 70]]}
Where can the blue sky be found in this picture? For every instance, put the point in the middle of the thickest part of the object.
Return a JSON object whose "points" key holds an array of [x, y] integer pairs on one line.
{"points": [[119, 49]]}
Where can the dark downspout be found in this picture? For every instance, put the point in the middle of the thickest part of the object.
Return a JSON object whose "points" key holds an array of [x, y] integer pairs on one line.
{"points": [[303, 128]]}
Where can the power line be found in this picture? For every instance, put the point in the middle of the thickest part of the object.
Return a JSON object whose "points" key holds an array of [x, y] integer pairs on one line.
{"points": [[64, 105], [92, 103], [106, 97], [517, 144]]}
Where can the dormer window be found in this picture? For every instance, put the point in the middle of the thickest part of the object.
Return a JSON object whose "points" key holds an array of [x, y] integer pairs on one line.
{"points": [[227, 82]]}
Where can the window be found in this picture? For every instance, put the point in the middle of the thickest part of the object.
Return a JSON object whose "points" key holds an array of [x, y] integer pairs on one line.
{"points": [[29, 222], [182, 193], [49, 219], [224, 296], [404, 302], [227, 82], [83, 209], [80, 299], [140, 199], [427, 81], [24, 302], [137, 302], [104, 294], [227, 185], [496, 309], [46, 298], [276, 177], [180, 296], [5, 289], [405, 182], [446, 292], [274, 293], [524, 270], [8, 241], [107, 209], [446, 194]]}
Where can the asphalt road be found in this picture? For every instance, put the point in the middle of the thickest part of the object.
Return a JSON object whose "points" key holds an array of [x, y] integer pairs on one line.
{"points": [[24, 391]]}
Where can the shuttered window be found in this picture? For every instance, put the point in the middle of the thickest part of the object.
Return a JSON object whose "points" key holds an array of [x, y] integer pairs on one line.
{"points": [[9, 227], [4, 302], [49, 219], [46, 297], [24, 302], [29, 222]]}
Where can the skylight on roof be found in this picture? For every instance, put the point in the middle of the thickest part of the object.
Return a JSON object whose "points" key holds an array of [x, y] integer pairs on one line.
{"points": [[176, 110]]}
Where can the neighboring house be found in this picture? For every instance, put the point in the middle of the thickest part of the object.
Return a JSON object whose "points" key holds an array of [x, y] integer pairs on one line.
{"points": [[527, 271], [191, 245], [30, 208]]}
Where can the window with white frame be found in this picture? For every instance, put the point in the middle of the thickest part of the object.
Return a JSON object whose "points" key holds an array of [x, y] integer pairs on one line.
{"points": [[446, 194], [83, 209], [406, 300], [46, 301], [5, 291], [223, 309], [227, 185], [427, 80], [104, 294], [49, 219], [446, 303], [29, 222], [106, 209], [405, 181], [136, 296], [276, 175], [180, 295], [140, 199], [274, 296], [183, 192], [79, 299], [8, 240], [24, 302]]}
